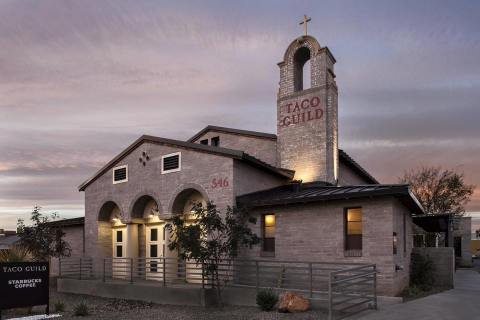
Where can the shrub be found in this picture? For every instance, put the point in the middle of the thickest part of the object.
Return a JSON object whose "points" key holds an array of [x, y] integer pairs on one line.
{"points": [[80, 309], [59, 306], [421, 274], [267, 299]]}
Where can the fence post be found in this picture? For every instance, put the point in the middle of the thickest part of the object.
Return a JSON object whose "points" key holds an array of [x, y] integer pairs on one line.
{"points": [[203, 276], [330, 302], [375, 287], [60, 267], [80, 273], [257, 275], [131, 270], [164, 272], [310, 271], [103, 274]]}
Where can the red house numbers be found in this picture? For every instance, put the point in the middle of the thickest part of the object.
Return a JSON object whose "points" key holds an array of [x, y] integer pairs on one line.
{"points": [[219, 183]]}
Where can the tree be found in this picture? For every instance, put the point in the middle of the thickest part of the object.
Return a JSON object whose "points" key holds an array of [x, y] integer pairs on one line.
{"points": [[212, 239], [439, 190], [42, 239]]}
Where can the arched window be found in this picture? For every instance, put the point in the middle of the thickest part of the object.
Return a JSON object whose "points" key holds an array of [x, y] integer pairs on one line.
{"points": [[302, 73]]}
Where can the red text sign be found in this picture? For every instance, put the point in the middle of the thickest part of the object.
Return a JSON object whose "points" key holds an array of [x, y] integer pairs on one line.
{"points": [[219, 183], [300, 111]]}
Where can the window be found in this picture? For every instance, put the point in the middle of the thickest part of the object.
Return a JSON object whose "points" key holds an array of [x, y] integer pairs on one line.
{"points": [[394, 243], [268, 234], [119, 236], [153, 234], [120, 174], [204, 141], [353, 229], [215, 141], [171, 162]]}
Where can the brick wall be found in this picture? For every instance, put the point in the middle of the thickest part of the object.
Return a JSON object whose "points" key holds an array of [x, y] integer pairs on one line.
{"points": [[315, 232], [348, 177], [261, 148], [307, 120]]}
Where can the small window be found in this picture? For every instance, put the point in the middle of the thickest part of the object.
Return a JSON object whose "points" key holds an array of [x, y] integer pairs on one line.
{"points": [[268, 235], [353, 230], [120, 174], [204, 141], [119, 251], [153, 250], [171, 162], [215, 141], [153, 234], [395, 243], [119, 236]]}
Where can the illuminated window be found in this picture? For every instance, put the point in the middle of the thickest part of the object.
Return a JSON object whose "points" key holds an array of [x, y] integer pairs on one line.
{"points": [[353, 229], [268, 235], [395, 243]]}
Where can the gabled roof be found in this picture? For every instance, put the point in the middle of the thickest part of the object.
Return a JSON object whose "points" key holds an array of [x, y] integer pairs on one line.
{"points": [[343, 156], [318, 192], [257, 134], [235, 154]]}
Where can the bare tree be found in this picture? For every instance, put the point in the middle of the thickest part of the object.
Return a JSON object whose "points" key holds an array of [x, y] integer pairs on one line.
{"points": [[439, 190]]}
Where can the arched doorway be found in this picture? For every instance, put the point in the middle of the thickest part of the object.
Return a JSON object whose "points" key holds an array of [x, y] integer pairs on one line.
{"points": [[151, 237], [183, 205]]}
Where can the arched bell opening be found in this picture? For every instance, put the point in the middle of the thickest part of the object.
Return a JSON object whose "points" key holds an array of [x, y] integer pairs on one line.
{"points": [[302, 69]]}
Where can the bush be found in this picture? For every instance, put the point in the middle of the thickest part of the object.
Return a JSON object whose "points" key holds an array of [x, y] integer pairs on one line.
{"points": [[421, 274], [59, 306], [267, 299], [80, 309]]}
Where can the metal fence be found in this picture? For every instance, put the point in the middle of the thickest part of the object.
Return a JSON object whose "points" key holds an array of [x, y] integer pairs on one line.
{"points": [[343, 288]]}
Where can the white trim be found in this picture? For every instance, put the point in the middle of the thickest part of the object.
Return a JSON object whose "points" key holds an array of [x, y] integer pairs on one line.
{"points": [[179, 154], [126, 175]]}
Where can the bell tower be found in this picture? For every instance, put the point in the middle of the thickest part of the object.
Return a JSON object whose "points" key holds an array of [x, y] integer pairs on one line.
{"points": [[307, 118]]}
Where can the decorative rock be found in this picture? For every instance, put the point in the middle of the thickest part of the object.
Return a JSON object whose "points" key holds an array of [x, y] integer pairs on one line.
{"points": [[292, 302]]}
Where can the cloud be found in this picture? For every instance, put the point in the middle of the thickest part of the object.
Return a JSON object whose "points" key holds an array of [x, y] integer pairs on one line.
{"points": [[86, 77]]}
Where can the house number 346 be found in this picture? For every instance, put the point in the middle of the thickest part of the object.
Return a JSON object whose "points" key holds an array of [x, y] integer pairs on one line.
{"points": [[219, 183]]}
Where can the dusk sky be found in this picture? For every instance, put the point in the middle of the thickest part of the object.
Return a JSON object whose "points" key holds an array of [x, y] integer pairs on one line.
{"points": [[81, 80]]}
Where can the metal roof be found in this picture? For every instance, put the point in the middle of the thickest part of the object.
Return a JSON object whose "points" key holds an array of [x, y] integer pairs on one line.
{"points": [[68, 222], [318, 192]]}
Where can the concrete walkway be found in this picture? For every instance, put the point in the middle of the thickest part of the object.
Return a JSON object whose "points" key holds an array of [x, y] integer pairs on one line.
{"points": [[462, 302]]}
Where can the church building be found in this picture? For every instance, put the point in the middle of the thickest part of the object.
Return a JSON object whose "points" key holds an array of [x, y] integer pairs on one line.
{"points": [[312, 200]]}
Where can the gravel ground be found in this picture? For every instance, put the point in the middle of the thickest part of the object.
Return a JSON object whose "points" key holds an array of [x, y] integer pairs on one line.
{"points": [[104, 308]]}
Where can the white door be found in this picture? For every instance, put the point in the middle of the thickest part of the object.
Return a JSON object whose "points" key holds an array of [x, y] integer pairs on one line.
{"points": [[155, 242], [120, 265]]}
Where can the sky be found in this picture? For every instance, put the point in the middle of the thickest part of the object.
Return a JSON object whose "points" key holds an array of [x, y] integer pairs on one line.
{"points": [[82, 79]]}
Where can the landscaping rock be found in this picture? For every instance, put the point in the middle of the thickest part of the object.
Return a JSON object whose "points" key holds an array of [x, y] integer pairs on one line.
{"points": [[293, 302]]}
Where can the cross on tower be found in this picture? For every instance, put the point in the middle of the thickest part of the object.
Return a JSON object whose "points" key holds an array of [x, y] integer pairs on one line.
{"points": [[305, 21]]}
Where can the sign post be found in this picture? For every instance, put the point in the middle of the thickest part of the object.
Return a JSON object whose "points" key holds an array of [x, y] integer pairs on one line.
{"points": [[24, 284]]}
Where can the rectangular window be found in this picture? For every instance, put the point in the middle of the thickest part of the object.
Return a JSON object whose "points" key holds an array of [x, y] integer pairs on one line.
{"points": [[204, 141], [153, 234], [394, 243], [215, 141], [119, 251], [268, 234], [353, 230], [153, 251], [119, 236], [120, 174], [171, 162]]}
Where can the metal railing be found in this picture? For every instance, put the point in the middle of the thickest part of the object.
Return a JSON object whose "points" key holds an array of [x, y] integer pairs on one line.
{"points": [[344, 288]]}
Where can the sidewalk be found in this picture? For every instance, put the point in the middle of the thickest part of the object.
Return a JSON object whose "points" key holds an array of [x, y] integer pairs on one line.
{"points": [[462, 302]]}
